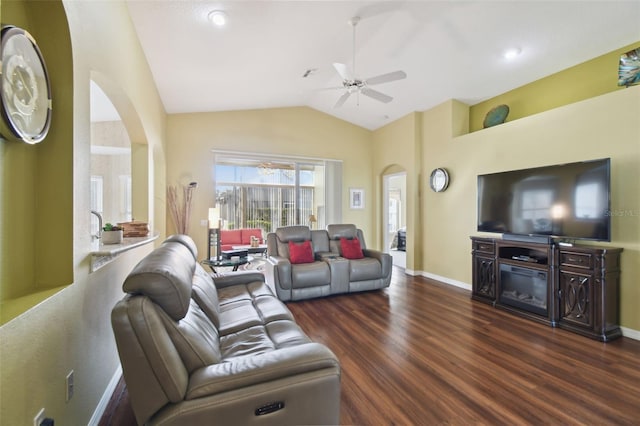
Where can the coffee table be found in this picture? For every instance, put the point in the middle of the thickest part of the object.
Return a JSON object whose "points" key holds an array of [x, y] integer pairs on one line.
{"points": [[261, 249], [226, 263]]}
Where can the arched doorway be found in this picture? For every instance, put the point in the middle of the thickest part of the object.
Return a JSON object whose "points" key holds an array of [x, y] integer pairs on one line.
{"points": [[395, 216]]}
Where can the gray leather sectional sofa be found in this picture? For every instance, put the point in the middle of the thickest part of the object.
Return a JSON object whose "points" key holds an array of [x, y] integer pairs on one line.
{"points": [[329, 272], [195, 352]]}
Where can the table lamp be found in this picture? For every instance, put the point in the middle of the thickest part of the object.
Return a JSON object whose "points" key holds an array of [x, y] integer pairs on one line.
{"points": [[214, 228]]}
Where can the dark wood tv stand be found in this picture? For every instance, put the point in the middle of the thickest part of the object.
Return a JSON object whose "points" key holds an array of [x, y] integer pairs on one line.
{"points": [[572, 287]]}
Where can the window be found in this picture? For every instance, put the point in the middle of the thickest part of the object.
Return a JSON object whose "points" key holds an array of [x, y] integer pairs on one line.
{"points": [[97, 195], [269, 192], [125, 197]]}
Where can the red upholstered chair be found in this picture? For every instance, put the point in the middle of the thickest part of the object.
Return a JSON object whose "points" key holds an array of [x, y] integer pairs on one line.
{"points": [[230, 238], [247, 233], [239, 237]]}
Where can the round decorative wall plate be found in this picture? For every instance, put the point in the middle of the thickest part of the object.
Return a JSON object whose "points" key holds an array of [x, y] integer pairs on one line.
{"points": [[439, 180], [496, 116], [25, 90]]}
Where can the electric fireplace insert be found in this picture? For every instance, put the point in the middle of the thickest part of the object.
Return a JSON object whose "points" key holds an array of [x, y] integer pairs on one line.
{"points": [[524, 288]]}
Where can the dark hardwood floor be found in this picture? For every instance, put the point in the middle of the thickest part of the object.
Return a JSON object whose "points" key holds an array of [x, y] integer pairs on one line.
{"points": [[421, 352]]}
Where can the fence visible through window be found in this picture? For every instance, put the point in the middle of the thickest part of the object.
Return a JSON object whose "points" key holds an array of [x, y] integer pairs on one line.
{"points": [[257, 194]]}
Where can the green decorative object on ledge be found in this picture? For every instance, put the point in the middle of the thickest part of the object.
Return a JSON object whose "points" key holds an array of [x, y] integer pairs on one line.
{"points": [[629, 68], [111, 234], [496, 116]]}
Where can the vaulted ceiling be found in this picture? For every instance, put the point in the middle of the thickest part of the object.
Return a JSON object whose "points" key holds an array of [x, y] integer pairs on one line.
{"points": [[280, 53]]}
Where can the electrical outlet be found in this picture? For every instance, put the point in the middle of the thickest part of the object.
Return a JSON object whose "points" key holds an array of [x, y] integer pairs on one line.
{"points": [[69, 383], [39, 418]]}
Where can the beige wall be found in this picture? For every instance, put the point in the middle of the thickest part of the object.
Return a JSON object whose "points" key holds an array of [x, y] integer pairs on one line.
{"points": [[71, 329], [397, 146], [285, 131], [604, 126]]}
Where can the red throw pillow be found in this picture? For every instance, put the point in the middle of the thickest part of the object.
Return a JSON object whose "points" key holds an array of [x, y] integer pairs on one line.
{"points": [[351, 248], [301, 252]]}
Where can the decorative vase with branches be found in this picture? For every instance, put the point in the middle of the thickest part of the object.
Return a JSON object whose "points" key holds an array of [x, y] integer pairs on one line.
{"points": [[180, 205]]}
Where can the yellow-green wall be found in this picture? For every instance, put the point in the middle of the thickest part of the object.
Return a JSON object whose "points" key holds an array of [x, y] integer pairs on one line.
{"points": [[603, 126], [284, 131], [583, 81], [70, 329], [36, 182]]}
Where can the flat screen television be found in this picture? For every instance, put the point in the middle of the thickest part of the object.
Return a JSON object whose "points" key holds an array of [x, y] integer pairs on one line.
{"points": [[565, 201]]}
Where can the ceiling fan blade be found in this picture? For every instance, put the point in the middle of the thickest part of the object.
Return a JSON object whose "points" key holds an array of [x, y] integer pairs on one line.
{"points": [[343, 71], [342, 99], [376, 95], [385, 78], [331, 88]]}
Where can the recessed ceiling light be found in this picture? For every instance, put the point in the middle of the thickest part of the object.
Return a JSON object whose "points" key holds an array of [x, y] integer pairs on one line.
{"points": [[218, 18], [512, 53]]}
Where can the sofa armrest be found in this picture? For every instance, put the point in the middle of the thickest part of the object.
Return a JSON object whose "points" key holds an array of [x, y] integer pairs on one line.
{"points": [[246, 371], [373, 253], [279, 270], [278, 260], [278, 275], [384, 258], [235, 278]]}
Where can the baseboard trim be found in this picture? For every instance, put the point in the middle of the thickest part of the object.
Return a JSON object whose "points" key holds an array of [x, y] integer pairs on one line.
{"points": [[410, 272], [106, 397], [446, 280], [630, 333]]}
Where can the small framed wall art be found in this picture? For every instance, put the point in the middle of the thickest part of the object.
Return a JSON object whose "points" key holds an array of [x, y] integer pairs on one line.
{"points": [[356, 198]]}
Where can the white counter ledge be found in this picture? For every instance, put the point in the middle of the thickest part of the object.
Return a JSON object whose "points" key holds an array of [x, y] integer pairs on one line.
{"points": [[101, 254]]}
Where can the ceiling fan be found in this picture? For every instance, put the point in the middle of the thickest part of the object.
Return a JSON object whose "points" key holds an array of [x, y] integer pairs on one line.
{"points": [[352, 84]]}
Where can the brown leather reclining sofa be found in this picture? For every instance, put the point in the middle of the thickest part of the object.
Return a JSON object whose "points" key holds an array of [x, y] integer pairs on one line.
{"points": [[195, 352]]}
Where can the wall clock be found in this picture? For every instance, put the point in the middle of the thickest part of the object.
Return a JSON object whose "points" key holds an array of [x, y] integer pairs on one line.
{"points": [[25, 90], [439, 180]]}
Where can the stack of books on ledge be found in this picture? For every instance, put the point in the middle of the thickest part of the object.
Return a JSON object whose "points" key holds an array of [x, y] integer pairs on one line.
{"points": [[134, 229]]}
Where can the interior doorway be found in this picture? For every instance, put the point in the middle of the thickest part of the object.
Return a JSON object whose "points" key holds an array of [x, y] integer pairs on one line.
{"points": [[395, 217]]}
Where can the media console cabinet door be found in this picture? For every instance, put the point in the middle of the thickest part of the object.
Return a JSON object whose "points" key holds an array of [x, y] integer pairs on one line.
{"points": [[582, 282], [484, 270], [576, 296], [589, 278]]}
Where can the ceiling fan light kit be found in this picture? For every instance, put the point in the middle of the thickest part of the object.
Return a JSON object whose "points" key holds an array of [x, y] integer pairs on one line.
{"points": [[352, 84]]}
